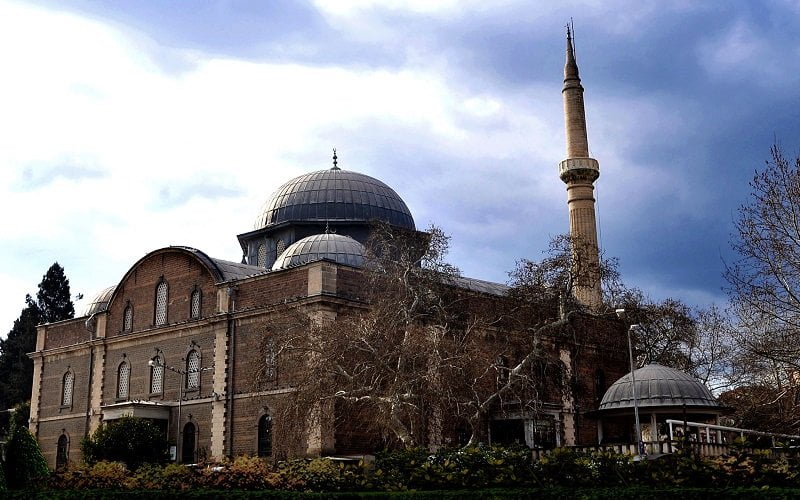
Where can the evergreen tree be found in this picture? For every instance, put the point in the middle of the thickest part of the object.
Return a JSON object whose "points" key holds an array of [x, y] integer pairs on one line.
{"points": [[16, 369], [54, 299], [53, 303], [25, 466]]}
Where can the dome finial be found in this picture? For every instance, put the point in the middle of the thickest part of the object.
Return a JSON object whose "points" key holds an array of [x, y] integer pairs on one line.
{"points": [[335, 161]]}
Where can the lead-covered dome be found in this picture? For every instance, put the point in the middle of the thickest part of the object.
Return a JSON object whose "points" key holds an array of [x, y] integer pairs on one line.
{"points": [[99, 302], [334, 195], [336, 247], [658, 386]]}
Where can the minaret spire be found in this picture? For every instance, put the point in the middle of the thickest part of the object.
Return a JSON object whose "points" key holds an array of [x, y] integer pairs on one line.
{"points": [[579, 172]]}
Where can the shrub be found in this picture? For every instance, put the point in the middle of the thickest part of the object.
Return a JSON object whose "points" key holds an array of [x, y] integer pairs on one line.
{"points": [[25, 465], [321, 474], [176, 477], [131, 440]]}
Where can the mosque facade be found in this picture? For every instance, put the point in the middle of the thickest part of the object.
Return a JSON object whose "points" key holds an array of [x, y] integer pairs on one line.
{"points": [[179, 338]]}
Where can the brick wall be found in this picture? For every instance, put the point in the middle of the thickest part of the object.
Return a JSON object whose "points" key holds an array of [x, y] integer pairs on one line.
{"points": [[50, 431], [53, 370], [272, 288], [65, 333], [174, 345], [182, 272]]}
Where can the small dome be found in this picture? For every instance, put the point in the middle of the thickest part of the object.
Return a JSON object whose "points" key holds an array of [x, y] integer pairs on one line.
{"points": [[337, 247], [99, 302], [658, 386], [334, 195]]}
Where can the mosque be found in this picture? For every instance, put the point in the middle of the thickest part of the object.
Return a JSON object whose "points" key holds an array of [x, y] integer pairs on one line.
{"points": [[178, 338]]}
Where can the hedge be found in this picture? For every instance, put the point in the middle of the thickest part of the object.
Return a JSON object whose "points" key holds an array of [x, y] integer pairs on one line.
{"points": [[454, 469]]}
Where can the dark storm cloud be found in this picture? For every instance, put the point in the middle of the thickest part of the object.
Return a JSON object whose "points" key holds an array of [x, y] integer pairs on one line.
{"points": [[38, 176], [714, 108]]}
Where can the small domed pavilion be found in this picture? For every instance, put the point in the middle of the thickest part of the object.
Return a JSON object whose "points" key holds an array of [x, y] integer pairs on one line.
{"points": [[662, 393]]}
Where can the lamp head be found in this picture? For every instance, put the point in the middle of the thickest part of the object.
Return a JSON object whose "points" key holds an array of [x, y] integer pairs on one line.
{"points": [[620, 313], [151, 363]]}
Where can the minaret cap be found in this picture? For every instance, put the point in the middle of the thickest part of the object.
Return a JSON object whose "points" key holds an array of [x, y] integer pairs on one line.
{"points": [[571, 77]]}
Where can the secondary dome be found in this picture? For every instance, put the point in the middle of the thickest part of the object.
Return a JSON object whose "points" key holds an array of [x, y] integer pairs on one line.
{"points": [[100, 302], [658, 385], [334, 195], [337, 247]]}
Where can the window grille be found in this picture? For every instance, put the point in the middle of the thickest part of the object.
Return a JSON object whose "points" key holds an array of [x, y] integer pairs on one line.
{"points": [[157, 376], [193, 370], [123, 380], [195, 312], [66, 395], [271, 362], [279, 248], [262, 256], [161, 304], [127, 321]]}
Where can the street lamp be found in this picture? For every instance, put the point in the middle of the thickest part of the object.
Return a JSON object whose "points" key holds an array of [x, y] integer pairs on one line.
{"points": [[156, 363], [639, 442]]}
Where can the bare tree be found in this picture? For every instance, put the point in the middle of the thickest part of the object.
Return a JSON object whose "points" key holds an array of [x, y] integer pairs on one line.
{"points": [[764, 282]]}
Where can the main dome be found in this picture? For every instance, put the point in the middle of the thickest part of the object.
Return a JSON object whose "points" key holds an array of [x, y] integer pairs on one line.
{"points": [[336, 247], [658, 386], [334, 195]]}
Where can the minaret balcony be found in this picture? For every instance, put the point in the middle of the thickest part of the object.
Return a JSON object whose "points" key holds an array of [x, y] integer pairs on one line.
{"points": [[579, 169]]}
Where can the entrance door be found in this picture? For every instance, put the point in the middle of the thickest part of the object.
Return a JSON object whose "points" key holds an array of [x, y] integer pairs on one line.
{"points": [[61, 452], [189, 445]]}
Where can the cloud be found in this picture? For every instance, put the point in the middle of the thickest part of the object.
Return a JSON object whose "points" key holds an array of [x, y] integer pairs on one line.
{"points": [[170, 196], [34, 177]]}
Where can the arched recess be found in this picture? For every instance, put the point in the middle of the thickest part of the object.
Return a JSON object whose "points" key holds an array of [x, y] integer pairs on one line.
{"points": [[161, 303], [195, 303], [157, 372], [67, 388], [264, 435], [123, 379], [62, 451], [194, 366], [189, 443]]}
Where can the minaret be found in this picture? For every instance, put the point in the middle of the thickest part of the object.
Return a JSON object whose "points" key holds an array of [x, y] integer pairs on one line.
{"points": [[579, 172]]}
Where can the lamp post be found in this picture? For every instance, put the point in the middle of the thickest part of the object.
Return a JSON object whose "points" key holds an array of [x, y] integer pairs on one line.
{"points": [[156, 363], [639, 442]]}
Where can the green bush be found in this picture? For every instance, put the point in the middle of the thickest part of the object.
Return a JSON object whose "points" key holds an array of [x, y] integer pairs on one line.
{"points": [[25, 465], [133, 441], [321, 474]]}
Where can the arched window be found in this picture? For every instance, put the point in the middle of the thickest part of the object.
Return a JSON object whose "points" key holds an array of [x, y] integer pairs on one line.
{"points": [[123, 380], [270, 361], [195, 303], [67, 384], [279, 248], [501, 365], [62, 451], [188, 450], [265, 436], [127, 319], [157, 376], [261, 259], [161, 303], [599, 384], [193, 369]]}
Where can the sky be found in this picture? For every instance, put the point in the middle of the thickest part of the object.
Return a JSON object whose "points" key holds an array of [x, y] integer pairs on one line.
{"points": [[130, 126]]}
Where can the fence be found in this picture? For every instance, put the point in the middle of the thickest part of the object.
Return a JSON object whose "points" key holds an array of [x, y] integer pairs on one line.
{"points": [[656, 448]]}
